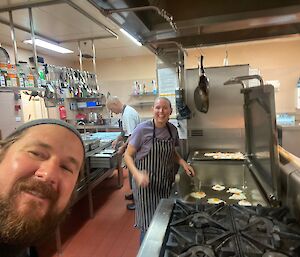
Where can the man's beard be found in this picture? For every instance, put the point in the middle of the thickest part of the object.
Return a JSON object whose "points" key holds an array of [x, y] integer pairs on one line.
{"points": [[21, 229]]}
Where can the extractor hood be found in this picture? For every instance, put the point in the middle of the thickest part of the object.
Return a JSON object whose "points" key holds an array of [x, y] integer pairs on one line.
{"points": [[168, 25]]}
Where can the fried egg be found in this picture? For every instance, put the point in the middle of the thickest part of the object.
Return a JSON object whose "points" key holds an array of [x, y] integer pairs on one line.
{"points": [[215, 201], [218, 187], [234, 190], [238, 196], [198, 195], [244, 203]]}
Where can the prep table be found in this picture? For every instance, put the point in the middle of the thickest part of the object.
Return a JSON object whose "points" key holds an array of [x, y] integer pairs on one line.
{"points": [[100, 161], [95, 143]]}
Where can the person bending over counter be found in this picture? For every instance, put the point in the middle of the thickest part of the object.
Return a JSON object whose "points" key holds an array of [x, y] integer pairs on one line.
{"points": [[40, 163], [130, 119], [151, 157]]}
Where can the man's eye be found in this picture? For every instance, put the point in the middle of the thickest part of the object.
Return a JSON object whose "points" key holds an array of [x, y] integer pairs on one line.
{"points": [[36, 153], [67, 169]]}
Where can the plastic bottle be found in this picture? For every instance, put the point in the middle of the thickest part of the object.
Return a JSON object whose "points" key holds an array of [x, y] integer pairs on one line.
{"points": [[135, 88], [11, 76], [138, 89], [21, 76], [154, 87], [144, 91], [30, 80], [3, 74]]}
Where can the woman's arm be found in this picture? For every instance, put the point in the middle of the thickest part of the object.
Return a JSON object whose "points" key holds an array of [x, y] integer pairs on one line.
{"points": [[187, 168], [141, 176]]}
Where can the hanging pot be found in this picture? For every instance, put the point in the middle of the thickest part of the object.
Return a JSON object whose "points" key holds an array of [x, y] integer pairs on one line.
{"points": [[4, 56], [201, 93]]}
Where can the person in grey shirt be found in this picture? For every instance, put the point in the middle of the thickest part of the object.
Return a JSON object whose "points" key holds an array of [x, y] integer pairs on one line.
{"points": [[40, 164], [129, 119]]}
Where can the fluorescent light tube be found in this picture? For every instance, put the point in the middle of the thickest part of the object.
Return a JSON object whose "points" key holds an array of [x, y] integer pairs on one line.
{"points": [[131, 37], [49, 46]]}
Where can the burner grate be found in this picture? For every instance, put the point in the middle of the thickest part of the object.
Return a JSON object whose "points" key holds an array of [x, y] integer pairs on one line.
{"points": [[233, 231]]}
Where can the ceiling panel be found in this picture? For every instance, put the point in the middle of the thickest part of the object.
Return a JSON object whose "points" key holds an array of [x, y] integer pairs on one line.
{"points": [[62, 22]]}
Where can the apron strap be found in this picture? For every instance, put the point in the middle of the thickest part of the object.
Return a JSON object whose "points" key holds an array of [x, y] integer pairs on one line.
{"points": [[168, 127]]}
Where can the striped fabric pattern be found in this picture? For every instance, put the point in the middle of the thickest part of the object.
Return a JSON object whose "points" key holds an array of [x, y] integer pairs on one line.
{"points": [[159, 163]]}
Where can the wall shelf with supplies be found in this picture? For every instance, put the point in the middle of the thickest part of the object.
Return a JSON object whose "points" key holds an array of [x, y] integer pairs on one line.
{"points": [[142, 104], [85, 103], [84, 98], [92, 107], [145, 94]]}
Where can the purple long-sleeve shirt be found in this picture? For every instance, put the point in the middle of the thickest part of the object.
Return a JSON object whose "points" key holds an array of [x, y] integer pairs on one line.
{"points": [[142, 136]]}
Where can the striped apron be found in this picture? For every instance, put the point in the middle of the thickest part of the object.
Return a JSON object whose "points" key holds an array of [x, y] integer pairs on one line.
{"points": [[159, 163]]}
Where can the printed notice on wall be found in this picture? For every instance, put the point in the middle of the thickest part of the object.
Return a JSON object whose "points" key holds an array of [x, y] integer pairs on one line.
{"points": [[167, 80]]}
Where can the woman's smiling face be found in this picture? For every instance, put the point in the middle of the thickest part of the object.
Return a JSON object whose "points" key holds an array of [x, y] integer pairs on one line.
{"points": [[161, 111]]}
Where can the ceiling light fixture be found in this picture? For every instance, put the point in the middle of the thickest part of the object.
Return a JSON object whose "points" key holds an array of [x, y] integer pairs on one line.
{"points": [[50, 46], [131, 37]]}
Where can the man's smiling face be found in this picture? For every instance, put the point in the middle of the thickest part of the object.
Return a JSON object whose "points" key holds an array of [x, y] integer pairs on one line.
{"points": [[38, 174]]}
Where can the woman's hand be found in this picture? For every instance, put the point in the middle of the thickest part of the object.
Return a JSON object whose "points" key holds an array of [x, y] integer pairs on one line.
{"points": [[114, 143], [187, 168], [142, 178]]}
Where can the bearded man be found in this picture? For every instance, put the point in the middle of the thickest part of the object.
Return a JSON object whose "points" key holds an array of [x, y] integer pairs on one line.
{"points": [[40, 164]]}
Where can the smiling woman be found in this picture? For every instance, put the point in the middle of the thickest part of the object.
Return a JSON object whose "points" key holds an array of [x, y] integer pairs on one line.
{"points": [[39, 166], [151, 157]]}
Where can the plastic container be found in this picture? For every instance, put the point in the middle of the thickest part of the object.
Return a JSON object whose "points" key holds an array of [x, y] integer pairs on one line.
{"points": [[30, 80], [154, 87]]}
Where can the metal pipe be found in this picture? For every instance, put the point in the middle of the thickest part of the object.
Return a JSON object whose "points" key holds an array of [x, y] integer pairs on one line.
{"points": [[238, 80], [84, 39], [234, 81], [132, 9], [80, 56], [13, 36], [33, 39], [37, 3], [94, 64]]}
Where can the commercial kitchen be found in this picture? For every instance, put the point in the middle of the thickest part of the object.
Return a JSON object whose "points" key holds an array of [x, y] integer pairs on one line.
{"points": [[232, 73]]}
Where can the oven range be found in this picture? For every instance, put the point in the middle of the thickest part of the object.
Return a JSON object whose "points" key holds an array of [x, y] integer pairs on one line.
{"points": [[185, 229]]}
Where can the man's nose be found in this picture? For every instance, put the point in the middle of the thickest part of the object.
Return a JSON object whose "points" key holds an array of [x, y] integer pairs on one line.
{"points": [[48, 171]]}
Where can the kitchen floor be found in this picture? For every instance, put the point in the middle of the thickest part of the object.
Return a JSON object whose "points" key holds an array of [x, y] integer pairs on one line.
{"points": [[109, 234]]}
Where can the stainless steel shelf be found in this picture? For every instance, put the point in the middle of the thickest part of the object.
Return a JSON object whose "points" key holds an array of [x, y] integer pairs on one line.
{"points": [[146, 94], [92, 107], [144, 104], [12, 89]]}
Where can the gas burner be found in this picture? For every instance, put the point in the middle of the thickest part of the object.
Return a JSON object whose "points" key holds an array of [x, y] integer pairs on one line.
{"points": [[196, 251], [274, 254], [233, 231]]}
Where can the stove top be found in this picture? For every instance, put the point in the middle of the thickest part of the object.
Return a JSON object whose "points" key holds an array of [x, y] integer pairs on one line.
{"points": [[230, 230]]}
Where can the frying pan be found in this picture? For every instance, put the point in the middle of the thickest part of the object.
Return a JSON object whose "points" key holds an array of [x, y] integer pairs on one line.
{"points": [[4, 56], [201, 92]]}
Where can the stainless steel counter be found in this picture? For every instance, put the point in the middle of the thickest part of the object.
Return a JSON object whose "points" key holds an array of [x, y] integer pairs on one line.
{"points": [[153, 240], [289, 138], [99, 127]]}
